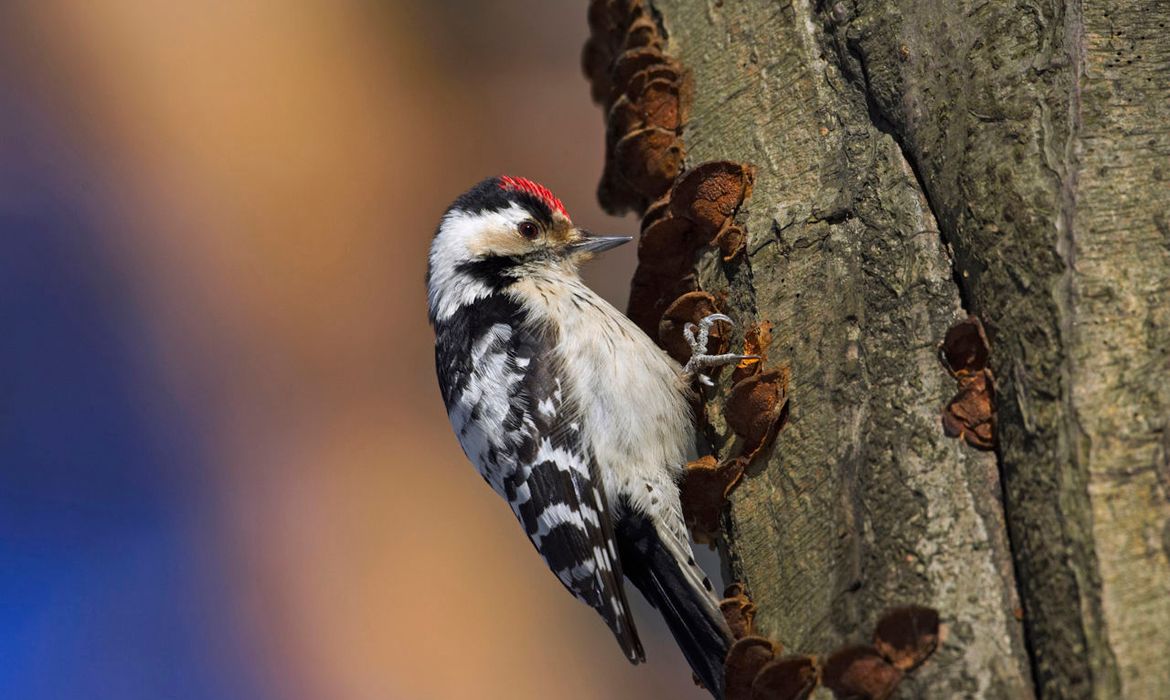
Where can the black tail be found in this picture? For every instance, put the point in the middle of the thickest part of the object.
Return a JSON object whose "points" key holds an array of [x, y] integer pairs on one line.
{"points": [[673, 584]]}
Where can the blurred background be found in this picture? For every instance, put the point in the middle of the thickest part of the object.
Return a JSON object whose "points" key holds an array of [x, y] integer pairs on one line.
{"points": [[225, 471]]}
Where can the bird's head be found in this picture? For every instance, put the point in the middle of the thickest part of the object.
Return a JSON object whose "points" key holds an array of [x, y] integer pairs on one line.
{"points": [[499, 232]]}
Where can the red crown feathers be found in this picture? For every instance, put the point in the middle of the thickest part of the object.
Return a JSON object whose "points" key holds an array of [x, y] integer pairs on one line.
{"points": [[537, 190]]}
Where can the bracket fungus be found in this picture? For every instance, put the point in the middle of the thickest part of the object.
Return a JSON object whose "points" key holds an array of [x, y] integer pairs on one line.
{"points": [[645, 97], [744, 661], [706, 484], [738, 610], [665, 247], [906, 636], [788, 678], [648, 159], [970, 414], [755, 411], [697, 211], [709, 195], [860, 673], [731, 240], [754, 670], [903, 638], [656, 211], [756, 408], [756, 339]]}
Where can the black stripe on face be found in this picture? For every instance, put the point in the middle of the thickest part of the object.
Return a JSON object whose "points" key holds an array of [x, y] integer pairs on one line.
{"points": [[495, 271]]}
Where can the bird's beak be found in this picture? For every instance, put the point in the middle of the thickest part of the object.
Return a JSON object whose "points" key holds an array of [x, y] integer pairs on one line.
{"points": [[589, 243]]}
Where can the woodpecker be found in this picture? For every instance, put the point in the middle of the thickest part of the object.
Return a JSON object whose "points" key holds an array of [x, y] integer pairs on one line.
{"points": [[570, 412]]}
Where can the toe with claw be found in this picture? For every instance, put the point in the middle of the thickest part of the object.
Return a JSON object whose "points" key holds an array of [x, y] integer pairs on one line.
{"points": [[697, 338]]}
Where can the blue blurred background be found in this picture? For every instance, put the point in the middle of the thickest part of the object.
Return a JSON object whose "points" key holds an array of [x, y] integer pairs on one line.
{"points": [[224, 468], [102, 589]]}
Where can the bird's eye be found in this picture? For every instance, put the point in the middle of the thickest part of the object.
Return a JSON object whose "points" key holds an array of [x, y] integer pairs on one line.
{"points": [[529, 230]]}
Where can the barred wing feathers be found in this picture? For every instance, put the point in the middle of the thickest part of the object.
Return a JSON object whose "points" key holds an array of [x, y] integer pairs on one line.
{"points": [[512, 415]]}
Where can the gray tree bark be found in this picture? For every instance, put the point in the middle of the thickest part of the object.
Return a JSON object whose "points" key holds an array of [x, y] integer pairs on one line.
{"points": [[916, 162]]}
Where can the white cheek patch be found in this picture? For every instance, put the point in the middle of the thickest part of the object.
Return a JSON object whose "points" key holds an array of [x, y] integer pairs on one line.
{"points": [[460, 234]]}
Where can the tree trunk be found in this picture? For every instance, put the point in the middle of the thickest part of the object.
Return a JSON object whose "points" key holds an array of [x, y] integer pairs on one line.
{"points": [[911, 163]]}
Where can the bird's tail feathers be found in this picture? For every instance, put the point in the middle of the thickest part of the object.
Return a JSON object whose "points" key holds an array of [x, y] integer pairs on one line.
{"points": [[673, 584]]}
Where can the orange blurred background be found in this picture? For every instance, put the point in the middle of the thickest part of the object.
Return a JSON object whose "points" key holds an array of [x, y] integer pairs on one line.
{"points": [[224, 467]]}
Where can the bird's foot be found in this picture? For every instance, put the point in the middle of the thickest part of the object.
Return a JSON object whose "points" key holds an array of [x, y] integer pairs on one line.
{"points": [[698, 342]]}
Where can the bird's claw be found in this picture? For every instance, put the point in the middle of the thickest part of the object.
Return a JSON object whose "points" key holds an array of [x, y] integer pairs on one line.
{"points": [[698, 342]]}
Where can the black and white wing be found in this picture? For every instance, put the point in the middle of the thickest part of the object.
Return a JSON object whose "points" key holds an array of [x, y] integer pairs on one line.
{"points": [[514, 418]]}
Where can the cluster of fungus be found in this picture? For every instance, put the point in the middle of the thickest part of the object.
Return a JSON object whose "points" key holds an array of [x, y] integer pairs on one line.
{"points": [[698, 211], [755, 411], [970, 414], [757, 667], [645, 97], [696, 214]]}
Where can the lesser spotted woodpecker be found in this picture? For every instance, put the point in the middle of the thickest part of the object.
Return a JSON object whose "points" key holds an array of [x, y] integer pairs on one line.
{"points": [[570, 412]]}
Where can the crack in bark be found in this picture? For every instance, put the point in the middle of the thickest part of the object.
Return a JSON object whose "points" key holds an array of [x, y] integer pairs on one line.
{"points": [[862, 83], [880, 122]]}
